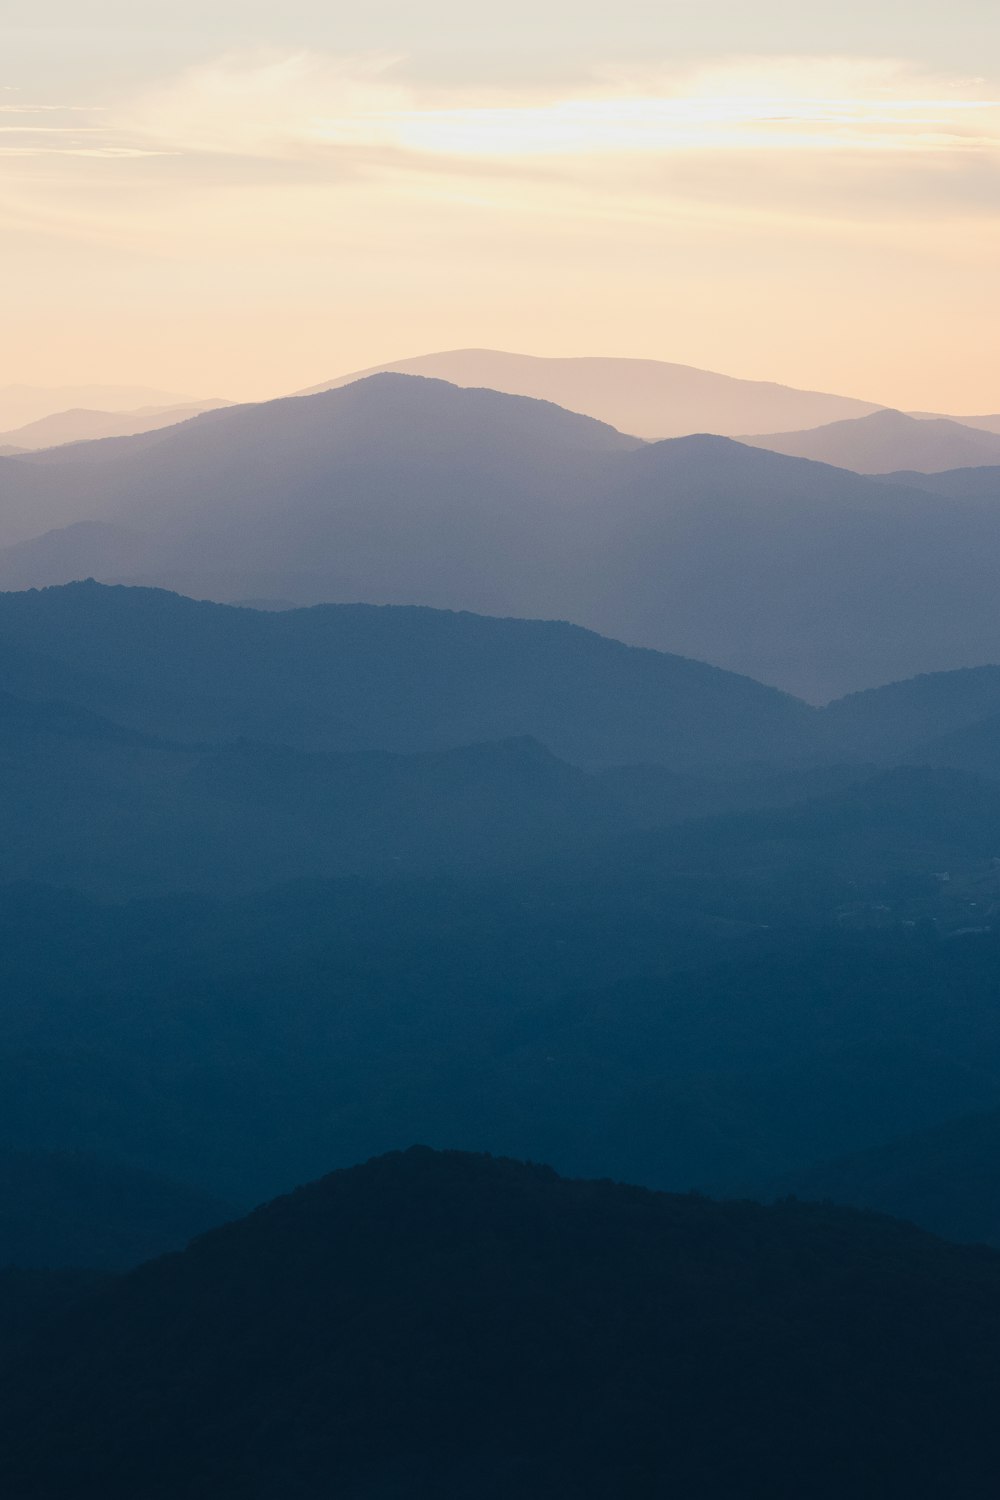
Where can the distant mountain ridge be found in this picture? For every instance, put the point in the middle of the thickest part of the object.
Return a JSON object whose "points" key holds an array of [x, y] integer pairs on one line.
{"points": [[887, 442], [20, 404], [350, 740], [987, 423], [969, 484], [345, 678], [646, 397], [362, 677], [80, 425]]}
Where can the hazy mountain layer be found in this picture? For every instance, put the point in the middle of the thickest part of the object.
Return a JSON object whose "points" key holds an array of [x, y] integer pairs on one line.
{"points": [[81, 425], [888, 442], [398, 490], [712, 1004], [980, 484], [440, 1325], [351, 678], [404, 491], [104, 810], [903, 720], [987, 423], [647, 397], [20, 404], [728, 996], [343, 677], [694, 973]]}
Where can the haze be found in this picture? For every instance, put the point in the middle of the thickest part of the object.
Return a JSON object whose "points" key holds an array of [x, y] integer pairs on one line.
{"points": [[237, 200]]}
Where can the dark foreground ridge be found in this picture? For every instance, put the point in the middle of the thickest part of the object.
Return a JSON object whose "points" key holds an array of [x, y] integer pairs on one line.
{"points": [[447, 1325]]}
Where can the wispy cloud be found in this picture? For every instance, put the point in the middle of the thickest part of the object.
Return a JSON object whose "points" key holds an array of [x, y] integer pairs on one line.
{"points": [[286, 105], [63, 130], [269, 154], [296, 107]]}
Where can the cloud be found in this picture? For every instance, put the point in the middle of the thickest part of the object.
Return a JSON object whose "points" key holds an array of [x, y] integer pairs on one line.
{"points": [[363, 113], [57, 130], [300, 150], [265, 105], [286, 105]]}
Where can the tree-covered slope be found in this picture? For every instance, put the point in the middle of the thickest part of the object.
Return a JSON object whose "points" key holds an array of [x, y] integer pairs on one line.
{"points": [[440, 1325]]}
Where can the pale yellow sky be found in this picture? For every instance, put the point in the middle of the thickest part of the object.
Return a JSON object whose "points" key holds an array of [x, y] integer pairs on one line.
{"points": [[242, 216]]}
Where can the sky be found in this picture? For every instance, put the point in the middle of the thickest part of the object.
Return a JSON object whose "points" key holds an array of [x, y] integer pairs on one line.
{"points": [[236, 198]]}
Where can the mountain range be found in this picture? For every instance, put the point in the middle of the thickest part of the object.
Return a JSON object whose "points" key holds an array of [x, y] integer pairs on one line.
{"points": [[491, 897], [403, 490], [487, 855]]}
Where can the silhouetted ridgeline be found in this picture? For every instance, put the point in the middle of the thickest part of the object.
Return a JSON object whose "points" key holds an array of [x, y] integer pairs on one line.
{"points": [[446, 1325]]}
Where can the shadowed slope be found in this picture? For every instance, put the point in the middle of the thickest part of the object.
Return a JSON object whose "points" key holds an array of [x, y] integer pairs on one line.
{"points": [[440, 1325]]}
